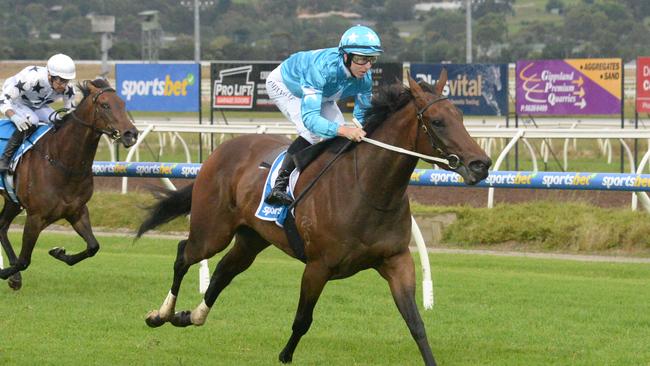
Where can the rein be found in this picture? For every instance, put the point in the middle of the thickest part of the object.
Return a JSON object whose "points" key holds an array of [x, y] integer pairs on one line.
{"points": [[452, 160]]}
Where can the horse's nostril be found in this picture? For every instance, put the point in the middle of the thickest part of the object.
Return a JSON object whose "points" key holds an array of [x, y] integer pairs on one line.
{"points": [[479, 166]]}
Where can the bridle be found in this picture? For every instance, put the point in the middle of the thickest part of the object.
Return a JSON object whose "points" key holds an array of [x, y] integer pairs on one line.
{"points": [[453, 159], [112, 132]]}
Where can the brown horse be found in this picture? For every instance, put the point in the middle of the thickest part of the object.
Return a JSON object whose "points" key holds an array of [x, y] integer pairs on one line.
{"points": [[355, 217], [54, 179]]}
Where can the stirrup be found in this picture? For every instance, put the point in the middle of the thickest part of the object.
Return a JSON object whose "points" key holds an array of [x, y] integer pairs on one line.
{"points": [[277, 197]]}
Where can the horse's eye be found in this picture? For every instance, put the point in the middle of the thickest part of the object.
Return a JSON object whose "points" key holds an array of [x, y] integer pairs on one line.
{"points": [[436, 123], [106, 106]]}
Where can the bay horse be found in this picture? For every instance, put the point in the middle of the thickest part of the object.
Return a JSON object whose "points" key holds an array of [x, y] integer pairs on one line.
{"points": [[54, 179], [355, 217]]}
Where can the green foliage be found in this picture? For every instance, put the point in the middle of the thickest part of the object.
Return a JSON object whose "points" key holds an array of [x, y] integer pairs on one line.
{"points": [[271, 30], [573, 227]]}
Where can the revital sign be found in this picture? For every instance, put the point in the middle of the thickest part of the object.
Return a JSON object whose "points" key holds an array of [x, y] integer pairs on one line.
{"points": [[477, 89]]}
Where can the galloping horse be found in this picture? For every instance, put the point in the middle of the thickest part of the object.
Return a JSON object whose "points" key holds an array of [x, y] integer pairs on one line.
{"points": [[54, 179], [355, 217]]}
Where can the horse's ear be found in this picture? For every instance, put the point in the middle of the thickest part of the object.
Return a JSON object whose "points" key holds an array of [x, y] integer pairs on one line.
{"points": [[88, 85], [415, 88], [442, 80]]}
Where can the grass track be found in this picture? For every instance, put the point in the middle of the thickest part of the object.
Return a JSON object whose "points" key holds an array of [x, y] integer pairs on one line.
{"points": [[489, 311]]}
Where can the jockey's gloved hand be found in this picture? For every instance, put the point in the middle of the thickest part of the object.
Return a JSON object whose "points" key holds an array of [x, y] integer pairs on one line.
{"points": [[22, 123]]}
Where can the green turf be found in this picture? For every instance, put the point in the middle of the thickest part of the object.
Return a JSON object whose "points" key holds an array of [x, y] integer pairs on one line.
{"points": [[489, 311]]}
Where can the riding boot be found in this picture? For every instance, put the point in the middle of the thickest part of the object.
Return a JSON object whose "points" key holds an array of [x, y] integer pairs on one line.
{"points": [[279, 195], [12, 145]]}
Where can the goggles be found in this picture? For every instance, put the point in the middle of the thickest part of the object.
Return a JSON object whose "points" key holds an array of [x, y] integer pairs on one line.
{"points": [[362, 59], [59, 80]]}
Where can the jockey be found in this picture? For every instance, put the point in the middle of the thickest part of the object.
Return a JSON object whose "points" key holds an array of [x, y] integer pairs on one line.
{"points": [[306, 86], [26, 97]]}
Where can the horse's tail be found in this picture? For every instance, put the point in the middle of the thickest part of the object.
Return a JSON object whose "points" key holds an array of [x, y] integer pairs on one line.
{"points": [[170, 205]]}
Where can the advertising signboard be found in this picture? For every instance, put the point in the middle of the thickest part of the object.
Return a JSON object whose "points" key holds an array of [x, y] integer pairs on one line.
{"points": [[159, 87], [477, 89], [382, 74], [643, 84], [242, 84], [569, 87]]}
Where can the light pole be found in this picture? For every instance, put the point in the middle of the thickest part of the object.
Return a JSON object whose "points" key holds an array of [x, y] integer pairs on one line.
{"points": [[468, 31], [196, 5]]}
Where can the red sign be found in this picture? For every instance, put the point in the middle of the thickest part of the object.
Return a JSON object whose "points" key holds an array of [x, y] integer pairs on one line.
{"points": [[643, 84]]}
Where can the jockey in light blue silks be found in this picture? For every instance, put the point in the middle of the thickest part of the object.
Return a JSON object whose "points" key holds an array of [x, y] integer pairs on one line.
{"points": [[26, 97], [306, 86]]}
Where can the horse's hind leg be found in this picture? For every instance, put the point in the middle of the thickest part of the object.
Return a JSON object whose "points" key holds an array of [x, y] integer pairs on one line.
{"points": [[314, 279], [248, 244], [9, 212], [399, 271], [81, 224], [190, 251], [33, 227]]}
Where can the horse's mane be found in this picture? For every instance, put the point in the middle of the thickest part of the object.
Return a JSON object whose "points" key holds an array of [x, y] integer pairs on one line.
{"points": [[386, 101], [85, 90], [97, 83]]}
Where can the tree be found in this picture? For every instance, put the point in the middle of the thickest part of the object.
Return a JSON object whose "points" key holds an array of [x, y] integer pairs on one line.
{"points": [[491, 30], [481, 8], [555, 4]]}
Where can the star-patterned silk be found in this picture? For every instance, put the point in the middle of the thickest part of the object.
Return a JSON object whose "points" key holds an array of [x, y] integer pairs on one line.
{"points": [[31, 88]]}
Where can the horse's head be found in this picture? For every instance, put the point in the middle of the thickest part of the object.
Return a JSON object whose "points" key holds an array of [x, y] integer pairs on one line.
{"points": [[441, 133], [107, 112]]}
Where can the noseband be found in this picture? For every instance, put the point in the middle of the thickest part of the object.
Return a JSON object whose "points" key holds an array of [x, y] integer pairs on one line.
{"points": [[111, 131], [453, 159]]}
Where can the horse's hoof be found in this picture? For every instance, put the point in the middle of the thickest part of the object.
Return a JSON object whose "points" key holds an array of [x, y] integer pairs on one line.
{"points": [[181, 319], [153, 319], [285, 357], [15, 282], [57, 252]]}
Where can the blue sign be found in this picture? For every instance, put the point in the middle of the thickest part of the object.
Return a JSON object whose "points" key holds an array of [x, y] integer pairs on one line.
{"points": [[419, 177], [539, 180], [159, 87], [477, 89]]}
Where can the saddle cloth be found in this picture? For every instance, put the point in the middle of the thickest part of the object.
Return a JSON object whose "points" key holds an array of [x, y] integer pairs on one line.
{"points": [[7, 129], [275, 213]]}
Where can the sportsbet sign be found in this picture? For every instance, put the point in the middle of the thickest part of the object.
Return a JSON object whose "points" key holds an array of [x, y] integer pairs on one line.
{"points": [[159, 87]]}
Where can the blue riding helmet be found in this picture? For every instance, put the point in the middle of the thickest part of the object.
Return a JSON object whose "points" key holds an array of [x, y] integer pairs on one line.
{"points": [[360, 40]]}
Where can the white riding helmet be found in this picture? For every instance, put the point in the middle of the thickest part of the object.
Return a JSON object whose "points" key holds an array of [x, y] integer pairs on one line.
{"points": [[62, 66]]}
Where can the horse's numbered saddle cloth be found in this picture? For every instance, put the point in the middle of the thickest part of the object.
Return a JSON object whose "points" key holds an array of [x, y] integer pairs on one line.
{"points": [[271, 212], [7, 129]]}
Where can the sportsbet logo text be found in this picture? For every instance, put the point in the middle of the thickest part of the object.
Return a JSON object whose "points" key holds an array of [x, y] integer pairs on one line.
{"points": [[157, 87]]}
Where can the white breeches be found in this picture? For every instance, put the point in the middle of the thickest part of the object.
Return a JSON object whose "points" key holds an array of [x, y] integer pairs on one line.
{"points": [[34, 116], [289, 105]]}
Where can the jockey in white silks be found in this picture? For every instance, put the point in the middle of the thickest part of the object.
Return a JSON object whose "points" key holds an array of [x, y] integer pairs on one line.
{"points": [[26, 97], [306, 86]]}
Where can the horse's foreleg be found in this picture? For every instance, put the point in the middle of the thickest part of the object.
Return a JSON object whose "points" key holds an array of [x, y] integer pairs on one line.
{"points": [[81, 224], [248, 245], [314, 279], [400, 274], [156, 318], [32, 229], [9, 212]]}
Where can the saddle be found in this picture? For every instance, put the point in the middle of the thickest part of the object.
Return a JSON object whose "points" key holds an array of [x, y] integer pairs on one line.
{"points": [[7, 129], [283, 215]]}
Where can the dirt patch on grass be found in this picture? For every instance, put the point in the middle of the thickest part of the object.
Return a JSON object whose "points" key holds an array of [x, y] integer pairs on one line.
{"points": [[478, 197]]}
